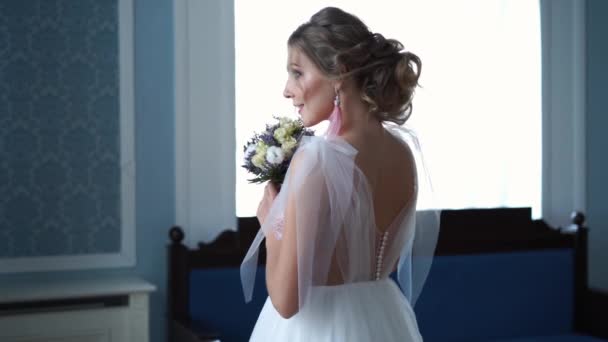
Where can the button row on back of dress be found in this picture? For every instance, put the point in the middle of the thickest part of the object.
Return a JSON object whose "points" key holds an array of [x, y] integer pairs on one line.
{"points": [[381, 254]]}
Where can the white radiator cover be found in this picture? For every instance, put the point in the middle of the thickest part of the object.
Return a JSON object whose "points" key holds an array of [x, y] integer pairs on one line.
{"points": [[29, 320]]}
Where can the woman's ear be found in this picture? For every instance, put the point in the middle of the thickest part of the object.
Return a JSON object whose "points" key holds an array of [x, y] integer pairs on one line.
{"points": [[337, 86]]}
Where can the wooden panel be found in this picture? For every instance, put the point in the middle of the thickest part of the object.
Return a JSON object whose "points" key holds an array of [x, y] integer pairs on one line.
{"points": [[112, 310], [596, 315], [108, 325], [90, 337]]}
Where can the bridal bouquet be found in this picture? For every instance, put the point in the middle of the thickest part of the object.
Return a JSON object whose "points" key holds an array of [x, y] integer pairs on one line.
{"points": [[267, 155]]}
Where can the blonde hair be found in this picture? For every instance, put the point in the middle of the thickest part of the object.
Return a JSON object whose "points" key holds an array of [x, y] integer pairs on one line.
{"points": [[342, 46]]}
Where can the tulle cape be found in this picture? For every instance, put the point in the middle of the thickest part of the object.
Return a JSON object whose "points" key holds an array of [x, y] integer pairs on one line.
{"points": [[335, 225]]}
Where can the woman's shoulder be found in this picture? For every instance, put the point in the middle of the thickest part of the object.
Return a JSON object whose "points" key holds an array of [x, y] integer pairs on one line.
{"points": [[332, 151], [405, 136], [324, 151], [322, 158], [334, 144]]}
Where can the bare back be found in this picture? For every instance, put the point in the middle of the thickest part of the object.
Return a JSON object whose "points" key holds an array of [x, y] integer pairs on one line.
{"points": [[389, 167]]}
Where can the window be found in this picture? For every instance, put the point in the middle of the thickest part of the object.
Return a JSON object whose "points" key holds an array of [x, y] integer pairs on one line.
{"points": [[209, 38], [478, 113]]}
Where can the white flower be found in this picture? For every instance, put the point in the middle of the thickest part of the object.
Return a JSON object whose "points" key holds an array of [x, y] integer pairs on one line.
{"points": [[275, 155]]}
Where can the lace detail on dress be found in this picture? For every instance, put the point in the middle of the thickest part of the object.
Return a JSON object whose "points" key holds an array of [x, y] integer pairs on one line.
{"points": [[380, 255], [277, 228]]}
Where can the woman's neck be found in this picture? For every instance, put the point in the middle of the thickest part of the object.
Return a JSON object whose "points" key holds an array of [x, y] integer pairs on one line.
{"points": [[357, 122]]}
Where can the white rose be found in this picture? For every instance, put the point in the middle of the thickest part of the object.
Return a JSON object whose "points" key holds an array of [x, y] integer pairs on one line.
{"points": [[275, 155]]}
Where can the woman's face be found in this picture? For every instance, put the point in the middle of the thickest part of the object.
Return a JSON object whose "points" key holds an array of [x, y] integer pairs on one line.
{"points": [[310, 91]]}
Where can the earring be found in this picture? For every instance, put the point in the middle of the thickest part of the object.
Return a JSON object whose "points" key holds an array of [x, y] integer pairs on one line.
{"points": [[335, 119]]}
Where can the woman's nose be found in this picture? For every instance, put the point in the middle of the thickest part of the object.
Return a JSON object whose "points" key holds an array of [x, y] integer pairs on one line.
{"points": [[286, 92]]}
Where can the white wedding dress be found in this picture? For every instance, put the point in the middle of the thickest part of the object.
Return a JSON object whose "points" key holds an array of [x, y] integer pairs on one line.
{"points": [[336, 234]]}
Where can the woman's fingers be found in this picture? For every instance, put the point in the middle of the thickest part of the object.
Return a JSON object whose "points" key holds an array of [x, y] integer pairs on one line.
{"points": [[263, 205], [271, 190], [270, 193]]}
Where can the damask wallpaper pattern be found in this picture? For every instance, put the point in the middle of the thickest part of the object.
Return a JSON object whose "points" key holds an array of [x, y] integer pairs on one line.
{"points": [[59, 128]]}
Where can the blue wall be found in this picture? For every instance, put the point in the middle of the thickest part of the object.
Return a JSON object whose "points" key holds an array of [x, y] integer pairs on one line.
{"points": [[59, 128], [597, 142], [154, 157]]}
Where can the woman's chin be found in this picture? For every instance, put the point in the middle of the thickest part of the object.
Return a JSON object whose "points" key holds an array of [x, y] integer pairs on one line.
{"points": [[305, 121], [310, 122]]}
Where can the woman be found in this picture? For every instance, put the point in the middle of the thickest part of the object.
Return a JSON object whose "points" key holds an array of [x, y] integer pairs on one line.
{"points": [[345, 217]]}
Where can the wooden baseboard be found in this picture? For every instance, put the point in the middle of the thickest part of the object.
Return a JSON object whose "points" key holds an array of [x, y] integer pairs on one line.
{"points": [[596, 313]]}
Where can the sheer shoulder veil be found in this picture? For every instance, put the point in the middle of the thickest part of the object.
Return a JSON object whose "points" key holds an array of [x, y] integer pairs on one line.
{"points": [[416, 259], [334, 219]]}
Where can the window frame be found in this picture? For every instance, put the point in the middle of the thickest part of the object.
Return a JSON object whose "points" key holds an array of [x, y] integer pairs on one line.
{"points": [[563, 115]]}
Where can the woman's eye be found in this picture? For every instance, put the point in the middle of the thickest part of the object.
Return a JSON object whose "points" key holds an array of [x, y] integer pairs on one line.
{"points": [[296, 73]]}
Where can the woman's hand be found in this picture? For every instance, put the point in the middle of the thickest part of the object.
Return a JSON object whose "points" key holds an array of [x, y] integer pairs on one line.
{"points": [[270, 193]]}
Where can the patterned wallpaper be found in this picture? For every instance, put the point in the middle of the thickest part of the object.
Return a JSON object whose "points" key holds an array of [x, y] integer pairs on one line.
{"points": [[59, 128]]}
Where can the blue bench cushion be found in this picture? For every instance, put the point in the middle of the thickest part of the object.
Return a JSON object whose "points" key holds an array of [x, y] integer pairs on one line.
{"points": [[503, 295], [483, 297], [217, 303]]}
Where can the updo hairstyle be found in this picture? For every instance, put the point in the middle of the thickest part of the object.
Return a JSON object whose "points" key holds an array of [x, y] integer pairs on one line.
{"points": [[342, 46]]}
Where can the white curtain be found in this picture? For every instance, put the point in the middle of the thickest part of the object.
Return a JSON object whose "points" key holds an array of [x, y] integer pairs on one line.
{"points": [[478, 114]]}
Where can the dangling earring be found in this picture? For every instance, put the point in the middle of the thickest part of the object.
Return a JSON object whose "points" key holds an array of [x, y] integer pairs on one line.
{"points": [[335, 119]]}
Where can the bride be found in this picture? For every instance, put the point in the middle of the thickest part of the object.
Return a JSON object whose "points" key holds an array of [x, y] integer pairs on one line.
{"points": [[345, 217]]}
